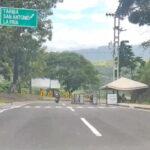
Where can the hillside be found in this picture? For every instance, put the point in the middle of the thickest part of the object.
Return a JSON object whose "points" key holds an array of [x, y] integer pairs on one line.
{"points": [[105, 71], [103, 53]]}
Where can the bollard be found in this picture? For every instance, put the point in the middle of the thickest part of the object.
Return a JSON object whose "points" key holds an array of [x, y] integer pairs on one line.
{"points": [[42, 94], [50, 94]]}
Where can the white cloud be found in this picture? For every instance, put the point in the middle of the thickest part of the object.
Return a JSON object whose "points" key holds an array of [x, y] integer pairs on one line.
{"points": [[77, 5], [100, 18], [58, 25], [71, 16], [135, 34], [111, 5], [67, 38]]}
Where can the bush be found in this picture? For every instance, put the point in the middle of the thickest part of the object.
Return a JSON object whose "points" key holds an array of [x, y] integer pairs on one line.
{"points": [[36, 91], [25, 91], [4, 87]]}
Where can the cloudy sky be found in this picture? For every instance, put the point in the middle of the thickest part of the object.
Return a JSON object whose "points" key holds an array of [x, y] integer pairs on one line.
{"points": [[81, 24]]}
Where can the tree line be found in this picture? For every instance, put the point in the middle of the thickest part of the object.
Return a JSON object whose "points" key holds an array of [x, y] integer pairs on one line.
{"points": [[137, 12], [22, 56]]}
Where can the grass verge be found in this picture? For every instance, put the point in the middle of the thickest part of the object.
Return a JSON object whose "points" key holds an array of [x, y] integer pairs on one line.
{"points": [[9, 98]]}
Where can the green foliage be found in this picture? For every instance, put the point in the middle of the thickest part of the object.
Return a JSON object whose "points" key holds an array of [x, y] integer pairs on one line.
{"points": [[5, 70], [145, 74], [103, 63], [138, 11], [146, 44], [105, 71], [4, 87], [36, 92], [25, 91], [128, 63], [72, 70], [22, 56]]}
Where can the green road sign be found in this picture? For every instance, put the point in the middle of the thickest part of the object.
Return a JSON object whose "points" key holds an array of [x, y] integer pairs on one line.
{"points": [[18, 17]]}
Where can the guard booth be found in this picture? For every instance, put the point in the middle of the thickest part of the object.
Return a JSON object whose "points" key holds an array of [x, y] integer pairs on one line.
{"points": [[122, 84]]}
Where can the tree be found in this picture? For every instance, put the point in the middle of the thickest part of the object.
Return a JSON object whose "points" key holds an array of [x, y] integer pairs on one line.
{"points": [[20, 39], [51, 62], [137, 11], [144, 76], [33, 66], [145, 73], [72, 70], [128, 62]]}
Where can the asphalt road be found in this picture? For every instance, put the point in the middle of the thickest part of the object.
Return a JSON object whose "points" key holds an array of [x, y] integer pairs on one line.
{"points": [[50, 126]]}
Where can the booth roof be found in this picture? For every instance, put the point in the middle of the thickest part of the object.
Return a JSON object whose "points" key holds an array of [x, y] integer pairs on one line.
{"points": [[124, 84]]}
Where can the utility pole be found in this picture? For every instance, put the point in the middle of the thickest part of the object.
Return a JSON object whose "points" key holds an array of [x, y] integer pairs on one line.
{"points": [[116, 44]]}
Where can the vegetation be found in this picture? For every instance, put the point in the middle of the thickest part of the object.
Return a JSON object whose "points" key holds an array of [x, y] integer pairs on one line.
{"points": [[25, 58], [105, 71], [129, 64], [72, 70], [138, 12], [145, 73], [20, 56]]}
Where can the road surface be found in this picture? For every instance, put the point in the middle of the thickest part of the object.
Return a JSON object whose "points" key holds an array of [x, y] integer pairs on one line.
{"points": [[51, 126]]}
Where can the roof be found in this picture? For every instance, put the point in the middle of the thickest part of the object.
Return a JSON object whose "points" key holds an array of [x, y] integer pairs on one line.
{"points": [[124, 84]]}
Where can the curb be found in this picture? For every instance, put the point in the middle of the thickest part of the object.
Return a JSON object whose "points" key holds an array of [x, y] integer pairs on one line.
{"points": [[144, 108], [135, 107], [127, 106], [5, 106]]}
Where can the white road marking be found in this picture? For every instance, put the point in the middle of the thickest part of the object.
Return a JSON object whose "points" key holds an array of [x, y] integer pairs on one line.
{"points": [[101, 107], [63, 104], [27, 106], [93, 129], [113, 107], [79, 107], [90, 107], [37, 107], [13, 107], [3, 110], [47, 107], [58, 107], [71, 108]]}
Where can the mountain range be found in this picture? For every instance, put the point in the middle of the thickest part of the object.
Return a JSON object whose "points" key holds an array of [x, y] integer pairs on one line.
{"points": [[103, 53]]}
